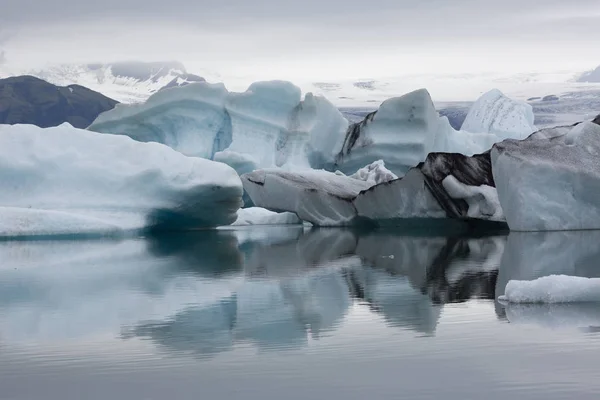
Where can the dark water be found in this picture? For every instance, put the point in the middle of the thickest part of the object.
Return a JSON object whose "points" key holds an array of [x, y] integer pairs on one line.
{"points": [[287, 313]]}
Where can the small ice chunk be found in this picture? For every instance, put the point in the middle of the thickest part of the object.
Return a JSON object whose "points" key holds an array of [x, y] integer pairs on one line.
{"points": [[553, 289], [262, 216]]}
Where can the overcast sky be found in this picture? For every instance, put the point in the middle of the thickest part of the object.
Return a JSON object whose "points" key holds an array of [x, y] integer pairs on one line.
{"points": [[309, 38]]}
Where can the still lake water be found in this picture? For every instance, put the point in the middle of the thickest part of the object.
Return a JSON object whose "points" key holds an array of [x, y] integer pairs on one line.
{"points": [[290, 313]]}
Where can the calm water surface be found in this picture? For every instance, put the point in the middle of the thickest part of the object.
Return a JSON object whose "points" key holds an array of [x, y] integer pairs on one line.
{"points": [[290, 313]]}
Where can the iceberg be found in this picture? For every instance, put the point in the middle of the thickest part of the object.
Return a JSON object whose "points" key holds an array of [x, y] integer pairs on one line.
{"points": [[262, 216], [553, 289], [68, 181], [374, 173], [550, 184], [496, 114], [319, 197], [445, 186], [402, 132], [267, 126], [407, 197], [190, 119], [270, 125]]}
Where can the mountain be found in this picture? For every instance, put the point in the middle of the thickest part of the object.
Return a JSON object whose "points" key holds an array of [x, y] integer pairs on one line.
{"points": [[30, 100], [127, 82], [590, 76]]}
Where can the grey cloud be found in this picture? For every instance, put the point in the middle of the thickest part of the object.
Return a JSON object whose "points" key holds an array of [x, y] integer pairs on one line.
{"points": [[253, 34], [214, 12]]}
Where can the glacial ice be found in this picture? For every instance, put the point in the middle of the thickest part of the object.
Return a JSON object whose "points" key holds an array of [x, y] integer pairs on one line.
{"points": [[550, 184], [319, 197], [482, 200], [553, 289], [408, 197], [190, 119], [374, 173], [404, 130], [267, 126], [68, 181], [332, 199], [496, 114], [270, 125], [262, 216]]}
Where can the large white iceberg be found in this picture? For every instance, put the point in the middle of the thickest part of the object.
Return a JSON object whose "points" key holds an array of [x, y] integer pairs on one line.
{"points": [[553, 289], [496, 114], [269, 125], [66, 181], [550, 184]]}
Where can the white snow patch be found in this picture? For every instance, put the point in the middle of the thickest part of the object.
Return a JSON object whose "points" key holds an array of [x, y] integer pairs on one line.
{"points": [[482, 200], [374, 173]]}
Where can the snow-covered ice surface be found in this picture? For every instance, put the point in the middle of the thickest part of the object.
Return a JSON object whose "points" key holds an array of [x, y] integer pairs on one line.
{"points": [[497, 114], [67, 181], [374, 173], [553, 289], [261, 216], [550, 184], [482, 200]]}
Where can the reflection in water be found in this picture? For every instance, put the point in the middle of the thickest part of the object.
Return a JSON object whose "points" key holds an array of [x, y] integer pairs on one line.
{"points": [[302, 287], [585, 316], [273, 287], [532, 255]]}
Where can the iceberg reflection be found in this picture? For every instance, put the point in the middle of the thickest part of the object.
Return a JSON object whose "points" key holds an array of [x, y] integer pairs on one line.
{"points": [[303, 287], [205, 292]]}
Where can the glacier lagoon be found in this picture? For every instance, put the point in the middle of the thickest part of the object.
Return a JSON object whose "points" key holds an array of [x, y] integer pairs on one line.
{"points": [[295, 313]]}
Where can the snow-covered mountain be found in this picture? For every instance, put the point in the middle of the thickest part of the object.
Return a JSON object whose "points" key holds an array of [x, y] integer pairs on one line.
{"points": [[126, 82], [592, 76], [452, 87], [135, 81]]}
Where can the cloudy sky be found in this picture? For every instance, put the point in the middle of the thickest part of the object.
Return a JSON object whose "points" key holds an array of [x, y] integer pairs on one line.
{"points": [[316, 39]]}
